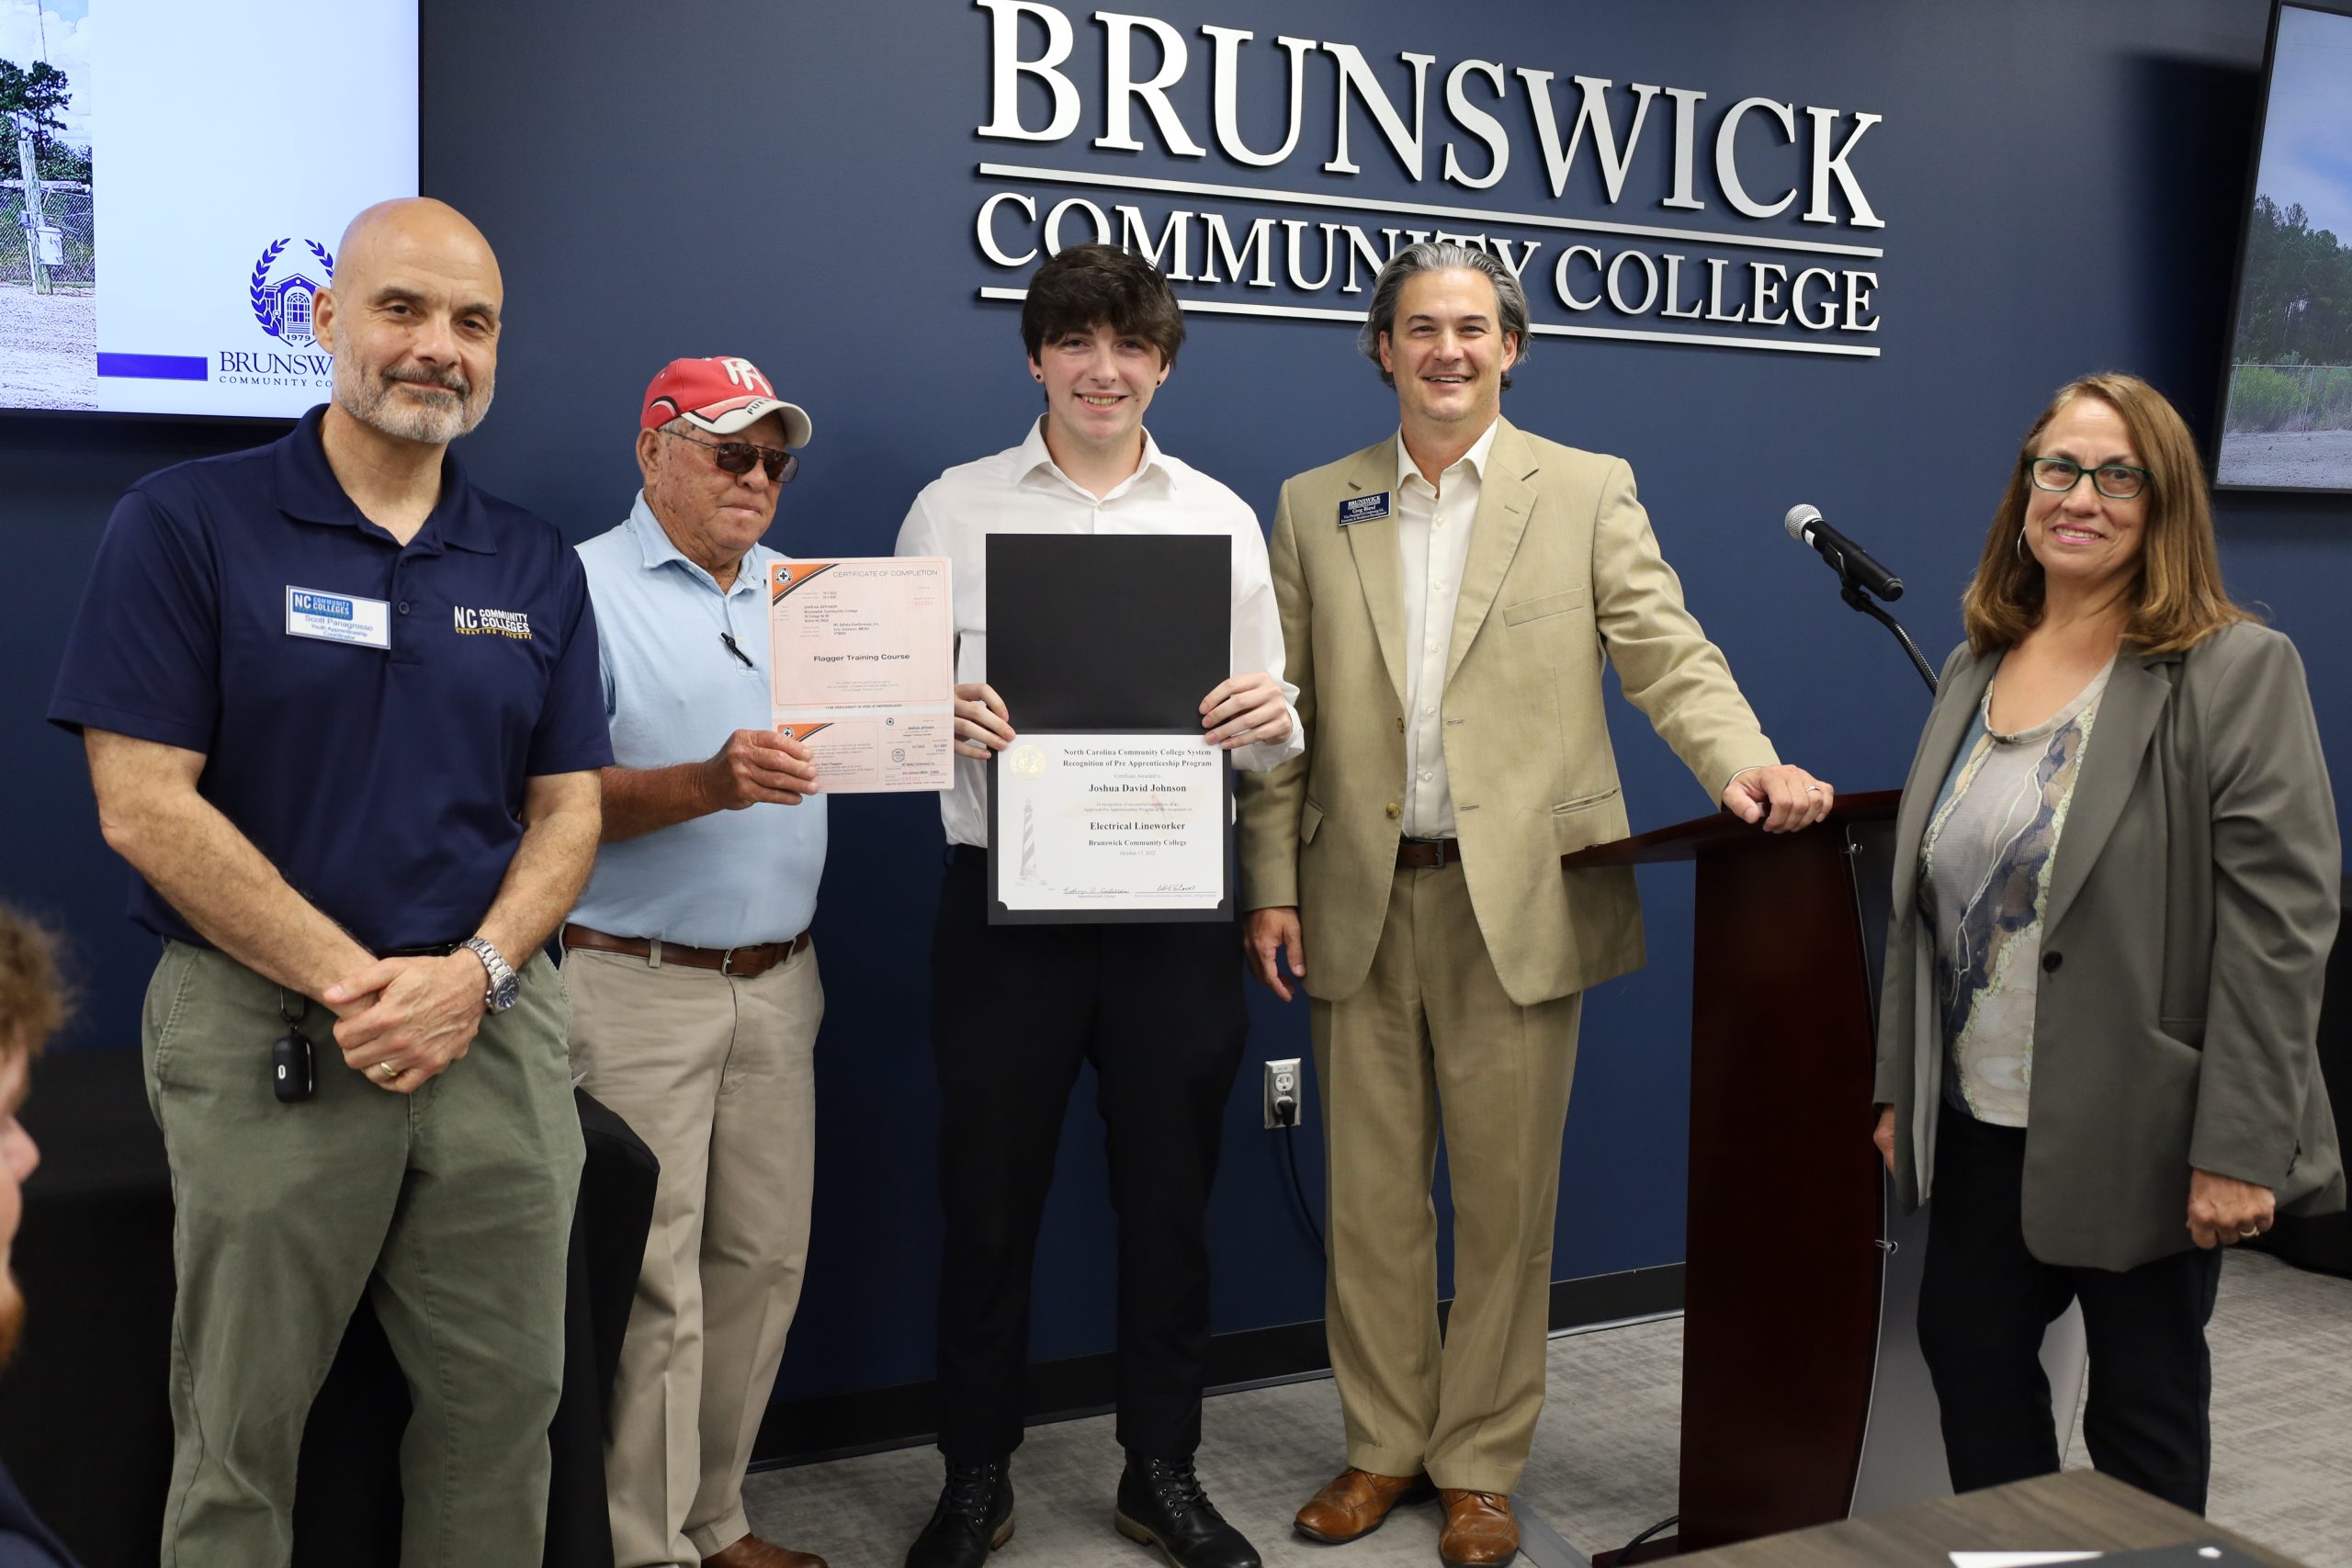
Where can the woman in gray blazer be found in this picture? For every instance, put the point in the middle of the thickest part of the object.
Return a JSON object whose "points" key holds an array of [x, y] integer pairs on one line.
{"points": [[2116, 882]]}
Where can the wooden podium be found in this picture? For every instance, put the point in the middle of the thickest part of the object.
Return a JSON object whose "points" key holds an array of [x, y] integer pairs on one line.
{"points": [[1784, 1280]]}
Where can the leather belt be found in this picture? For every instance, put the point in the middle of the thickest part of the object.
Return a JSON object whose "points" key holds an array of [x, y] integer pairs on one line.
{"points": [[1428, 854], [736, 963]]}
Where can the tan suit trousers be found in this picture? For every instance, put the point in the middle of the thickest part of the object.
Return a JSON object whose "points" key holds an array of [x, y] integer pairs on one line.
{"points": [[716, 1075], [1430, 1040]]}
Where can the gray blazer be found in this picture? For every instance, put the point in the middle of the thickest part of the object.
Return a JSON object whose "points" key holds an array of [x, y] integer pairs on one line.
{"points": [[2192, 903]]}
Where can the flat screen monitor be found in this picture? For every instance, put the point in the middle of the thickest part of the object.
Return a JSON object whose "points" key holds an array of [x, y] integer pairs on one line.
{"points": [[2287, 396], [175, 175]]}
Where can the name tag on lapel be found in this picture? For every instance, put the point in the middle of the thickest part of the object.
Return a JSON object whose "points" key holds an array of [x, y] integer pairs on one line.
{"points": [[1363, 509]]}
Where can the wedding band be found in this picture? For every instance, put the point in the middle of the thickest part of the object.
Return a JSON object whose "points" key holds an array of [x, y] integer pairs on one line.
{"points": [[391, 1073], [2248, 1236], [1813, 789]]}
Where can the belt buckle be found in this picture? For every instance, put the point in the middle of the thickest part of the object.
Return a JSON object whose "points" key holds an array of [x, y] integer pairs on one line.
{"points": [[727, 962], [1443, 857]]}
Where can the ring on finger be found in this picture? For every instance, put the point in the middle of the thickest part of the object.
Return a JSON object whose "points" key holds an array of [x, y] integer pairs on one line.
{"points": [[388, 1072]]}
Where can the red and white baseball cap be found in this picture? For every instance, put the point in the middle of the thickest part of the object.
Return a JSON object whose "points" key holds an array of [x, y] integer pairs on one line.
{"points": [[722, 396]]}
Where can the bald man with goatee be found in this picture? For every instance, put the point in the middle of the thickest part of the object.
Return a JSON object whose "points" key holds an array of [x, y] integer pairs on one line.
{"points": [[343, 717]]}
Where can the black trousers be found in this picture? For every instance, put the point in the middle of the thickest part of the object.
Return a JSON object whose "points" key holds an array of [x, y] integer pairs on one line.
{"points": [[1014, 1011], [1983, 1306]]}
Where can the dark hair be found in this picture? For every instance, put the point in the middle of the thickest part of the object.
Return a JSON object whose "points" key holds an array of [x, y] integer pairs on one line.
{"points": [[2178, 600], [1092, 285]]}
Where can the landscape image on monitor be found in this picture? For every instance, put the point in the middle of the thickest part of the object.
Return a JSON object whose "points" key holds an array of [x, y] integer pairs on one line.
{"points": [[2287, 420], [49, 269]]}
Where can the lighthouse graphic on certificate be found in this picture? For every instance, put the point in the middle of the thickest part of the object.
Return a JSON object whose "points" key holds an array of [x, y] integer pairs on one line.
{"points": [[1028, 762]]}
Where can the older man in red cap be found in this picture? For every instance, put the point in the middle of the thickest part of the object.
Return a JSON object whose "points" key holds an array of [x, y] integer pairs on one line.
{"points": [[694, 987]]}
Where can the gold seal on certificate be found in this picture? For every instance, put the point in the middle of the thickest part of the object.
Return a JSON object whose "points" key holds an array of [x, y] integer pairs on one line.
{"points": [[1109, 826], [862, 672]]}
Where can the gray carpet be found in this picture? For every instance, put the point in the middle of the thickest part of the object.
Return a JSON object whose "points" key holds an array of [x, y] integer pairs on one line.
{"points": [[1605, 1452]]}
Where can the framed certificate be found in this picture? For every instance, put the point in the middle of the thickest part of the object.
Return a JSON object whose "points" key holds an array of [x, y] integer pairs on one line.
{"points": [[1100, 826], [1109, 805]]}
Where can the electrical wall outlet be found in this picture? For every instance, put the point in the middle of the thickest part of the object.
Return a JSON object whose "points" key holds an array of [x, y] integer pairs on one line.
{"points": [[1283, 1099]]}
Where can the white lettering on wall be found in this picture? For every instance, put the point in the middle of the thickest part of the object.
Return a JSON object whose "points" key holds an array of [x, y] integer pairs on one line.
{"points": [[1727, 157], [1008, 68], [1477, 122], [1121, 92], [1226, 74], [1357, 80], [1592, 111], [1256, 250]]}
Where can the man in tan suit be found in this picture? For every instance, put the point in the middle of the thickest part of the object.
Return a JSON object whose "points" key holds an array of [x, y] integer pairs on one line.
{"points": [[1448, 597]]}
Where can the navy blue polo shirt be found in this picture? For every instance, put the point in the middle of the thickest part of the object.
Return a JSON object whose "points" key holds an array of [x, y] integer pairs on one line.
{"points": [[385, 783]]}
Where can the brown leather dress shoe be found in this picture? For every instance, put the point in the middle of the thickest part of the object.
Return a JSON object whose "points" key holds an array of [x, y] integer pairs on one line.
{"points": [[753, 1552], [1479, 1530], [1356, 1502]]}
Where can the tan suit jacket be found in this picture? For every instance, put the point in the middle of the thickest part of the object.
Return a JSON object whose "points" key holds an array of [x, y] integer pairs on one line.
{"points": [[2193, 899], [1564, 575]]}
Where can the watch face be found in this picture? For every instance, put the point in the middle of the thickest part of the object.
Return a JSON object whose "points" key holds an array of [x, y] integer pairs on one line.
{"points": [[506, 993]]}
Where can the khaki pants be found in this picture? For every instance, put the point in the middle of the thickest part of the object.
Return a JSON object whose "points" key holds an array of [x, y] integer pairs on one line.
{"points": [[450, 1207], [1431, 1039], [717, 1076]]}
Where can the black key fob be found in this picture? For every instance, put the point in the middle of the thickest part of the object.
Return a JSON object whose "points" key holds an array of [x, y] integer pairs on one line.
{"points": [[290, 1076]]}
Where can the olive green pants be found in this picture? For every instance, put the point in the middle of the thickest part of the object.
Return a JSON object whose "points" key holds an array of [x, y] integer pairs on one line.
{"points": [[450, 1207]]}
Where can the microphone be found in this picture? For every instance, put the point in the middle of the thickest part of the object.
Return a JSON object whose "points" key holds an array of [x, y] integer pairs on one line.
{"points": [[1847, 558]]}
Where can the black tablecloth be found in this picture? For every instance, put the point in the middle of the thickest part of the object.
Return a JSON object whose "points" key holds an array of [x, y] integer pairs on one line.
{"points": [[83, 1424]]}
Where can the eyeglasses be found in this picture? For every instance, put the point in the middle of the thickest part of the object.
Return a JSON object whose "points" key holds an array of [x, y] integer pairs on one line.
{"points": [[2117, 481], [737, 457]]}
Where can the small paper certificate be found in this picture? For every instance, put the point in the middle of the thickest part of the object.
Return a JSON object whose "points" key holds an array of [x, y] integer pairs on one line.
{"points": [[1098, 824], [860, 652]]}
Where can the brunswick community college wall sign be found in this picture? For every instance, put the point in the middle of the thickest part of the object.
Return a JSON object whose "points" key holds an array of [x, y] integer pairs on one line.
{"points": [[1736, 274]]}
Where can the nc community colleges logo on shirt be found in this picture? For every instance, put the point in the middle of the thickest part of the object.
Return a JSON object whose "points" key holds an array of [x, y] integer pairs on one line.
{"points": [[492, 623]]}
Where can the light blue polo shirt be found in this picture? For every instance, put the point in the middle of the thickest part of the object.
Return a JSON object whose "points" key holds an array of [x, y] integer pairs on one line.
{"points": [[673, 694]]}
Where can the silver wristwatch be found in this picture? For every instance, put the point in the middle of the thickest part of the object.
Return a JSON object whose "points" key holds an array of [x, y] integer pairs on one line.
{"points": [[505, 990]]}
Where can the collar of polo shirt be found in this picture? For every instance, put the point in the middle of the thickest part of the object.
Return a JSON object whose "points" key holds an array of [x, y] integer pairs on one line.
{"points": [[307, 492], [661, 550]]}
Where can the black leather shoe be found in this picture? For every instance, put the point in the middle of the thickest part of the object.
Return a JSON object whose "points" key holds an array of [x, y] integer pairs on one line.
{"points": [[1162, 1505], [974, 1517]]}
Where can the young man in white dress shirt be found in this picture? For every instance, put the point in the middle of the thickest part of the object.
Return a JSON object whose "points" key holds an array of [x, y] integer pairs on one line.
{"points": [[1015, 1010]]}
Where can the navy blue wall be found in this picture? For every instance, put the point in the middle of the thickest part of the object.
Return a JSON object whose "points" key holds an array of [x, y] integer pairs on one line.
{"points": [[2060, 182]]}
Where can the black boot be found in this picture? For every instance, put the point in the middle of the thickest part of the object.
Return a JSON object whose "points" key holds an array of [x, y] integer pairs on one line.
{"points": [[974, 1517], [1162, 1505]]}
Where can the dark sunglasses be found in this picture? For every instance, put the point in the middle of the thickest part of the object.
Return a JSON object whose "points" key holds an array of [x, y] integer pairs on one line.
{"points": [[737, 457]]}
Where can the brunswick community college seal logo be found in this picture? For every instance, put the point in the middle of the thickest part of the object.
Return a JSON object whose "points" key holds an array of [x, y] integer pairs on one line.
{"points": [[282, 303]]}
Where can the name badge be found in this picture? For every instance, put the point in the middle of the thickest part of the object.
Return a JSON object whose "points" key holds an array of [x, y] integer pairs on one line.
{"points": [[1363, 509], [338, 617]]}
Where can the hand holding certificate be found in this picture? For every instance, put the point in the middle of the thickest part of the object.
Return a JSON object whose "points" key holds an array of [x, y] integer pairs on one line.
{"points": [[863, 669]]}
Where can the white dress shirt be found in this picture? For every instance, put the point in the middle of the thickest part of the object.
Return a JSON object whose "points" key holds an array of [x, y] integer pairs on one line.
{"points": [[1433, 536], [1023, 490]]}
